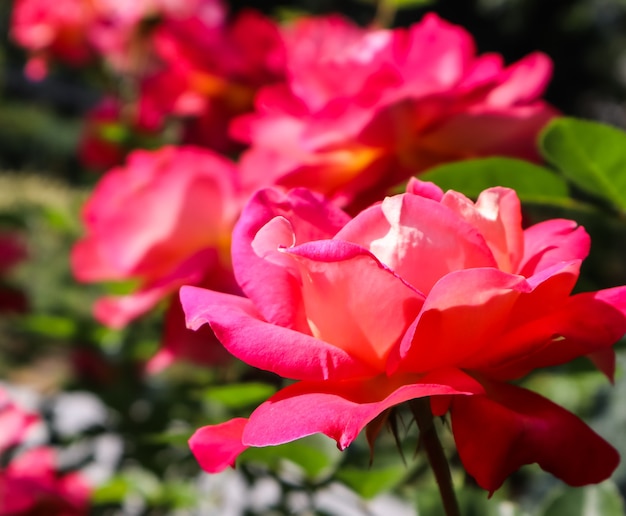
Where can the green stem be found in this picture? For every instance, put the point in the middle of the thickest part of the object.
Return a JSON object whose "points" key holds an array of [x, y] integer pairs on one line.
{"points": [[434, 452], [385, 14]]}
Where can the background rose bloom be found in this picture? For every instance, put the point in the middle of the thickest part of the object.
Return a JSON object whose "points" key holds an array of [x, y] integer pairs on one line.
{"points": [[14, 421], [363, 110], [58, 30], [32, 484], [423, 295], [163, 220], [207, 75]]}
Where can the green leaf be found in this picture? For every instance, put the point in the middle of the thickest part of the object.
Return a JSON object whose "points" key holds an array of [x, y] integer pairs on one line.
{"points": [[52, 326], [591, 155], [133, 480], [533, 184], [370, 482], [602, 499], [315, 456], [239, 395]]}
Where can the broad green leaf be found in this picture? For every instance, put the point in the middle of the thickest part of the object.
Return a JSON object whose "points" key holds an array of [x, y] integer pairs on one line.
{"points": [[596, 500], [533, 184], [372, 481], [591, 155], [573, 391], [131, 481], [316, 456], [239, 395], [49, 325]]}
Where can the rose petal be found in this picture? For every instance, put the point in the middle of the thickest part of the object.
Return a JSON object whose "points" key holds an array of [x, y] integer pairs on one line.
{"points": [[338, 299], [271, 287], [288, 353], [341, 410], [419, 239], [510, 426], [216, 447], [551, 242]]}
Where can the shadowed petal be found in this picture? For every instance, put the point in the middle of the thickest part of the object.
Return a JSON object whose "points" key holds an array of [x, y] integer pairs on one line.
{"points": [[510, 426]]}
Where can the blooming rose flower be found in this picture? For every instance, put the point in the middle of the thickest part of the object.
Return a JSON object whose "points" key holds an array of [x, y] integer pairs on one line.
{"points": [[163, 220], [32, 484], [363, 110], [423, 295]]}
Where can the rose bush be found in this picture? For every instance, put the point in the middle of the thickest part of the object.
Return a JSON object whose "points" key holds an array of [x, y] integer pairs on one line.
{"points": [[163, 220], [426, 294], [363, 110]]}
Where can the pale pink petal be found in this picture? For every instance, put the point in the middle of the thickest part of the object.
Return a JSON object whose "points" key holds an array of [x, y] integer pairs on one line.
{"points": [[509, 427], [352, 301], [273, 289], [419, 239], [497, 216]]}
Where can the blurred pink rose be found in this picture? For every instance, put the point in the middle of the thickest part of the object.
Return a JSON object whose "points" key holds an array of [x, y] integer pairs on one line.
{"points": [[363, 110], [58, 30], [14, 422], [162, 220], [32, 484], [208, 75], [76, 31], [425, 295]]}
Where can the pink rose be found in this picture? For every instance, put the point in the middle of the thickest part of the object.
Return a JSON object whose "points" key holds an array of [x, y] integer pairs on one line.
{"points": [[53, 29], [163, 220], [425, 295], [32, 484], [363, 110], [209, 75], [14, 422]]}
